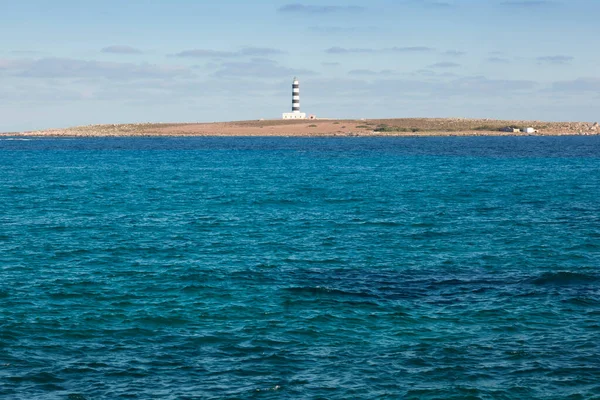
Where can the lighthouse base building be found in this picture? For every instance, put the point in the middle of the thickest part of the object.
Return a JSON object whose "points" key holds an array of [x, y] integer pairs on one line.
{"points": [[295, 114]]}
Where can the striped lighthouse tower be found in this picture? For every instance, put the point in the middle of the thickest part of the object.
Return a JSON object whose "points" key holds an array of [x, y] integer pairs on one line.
{"points": [[295, 114], [296, 95]]}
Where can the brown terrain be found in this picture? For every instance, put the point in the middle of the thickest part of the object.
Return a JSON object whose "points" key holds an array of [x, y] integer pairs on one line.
{"points": [[326, 127]]}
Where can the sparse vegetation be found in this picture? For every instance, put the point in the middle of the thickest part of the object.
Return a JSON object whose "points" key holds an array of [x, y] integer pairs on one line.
{"points": [[391, 127], [388, 129], [488, 128]]}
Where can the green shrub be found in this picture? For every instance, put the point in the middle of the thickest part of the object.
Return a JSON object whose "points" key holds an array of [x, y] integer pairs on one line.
{"points": [[312, 126], [487, 128], [385, 128]]}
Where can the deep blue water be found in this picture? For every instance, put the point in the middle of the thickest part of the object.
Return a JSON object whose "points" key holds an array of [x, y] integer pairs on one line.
{"points": [[209, 268]]}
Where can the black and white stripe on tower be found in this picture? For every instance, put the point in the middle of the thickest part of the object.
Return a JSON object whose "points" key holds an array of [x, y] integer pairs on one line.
{"points": [[296, 96]]}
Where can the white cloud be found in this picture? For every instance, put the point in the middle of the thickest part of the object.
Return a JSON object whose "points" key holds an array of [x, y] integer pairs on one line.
{"points": [[121, 49], [258, 68], [64, 68], [243, 52], [555, 60]]}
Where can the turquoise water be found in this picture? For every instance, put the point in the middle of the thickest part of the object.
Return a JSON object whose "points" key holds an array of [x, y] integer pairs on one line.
{"points": [[207, 268]]}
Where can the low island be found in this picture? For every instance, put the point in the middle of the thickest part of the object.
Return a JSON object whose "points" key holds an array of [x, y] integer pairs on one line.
{"points": [[329, 127]]}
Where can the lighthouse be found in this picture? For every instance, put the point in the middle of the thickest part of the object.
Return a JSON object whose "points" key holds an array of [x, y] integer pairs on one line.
{"points": [[295, 114], [296, 95]]}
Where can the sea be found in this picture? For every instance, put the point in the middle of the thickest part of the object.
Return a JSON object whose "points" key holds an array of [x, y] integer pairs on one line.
{"points": [[300, 268]]}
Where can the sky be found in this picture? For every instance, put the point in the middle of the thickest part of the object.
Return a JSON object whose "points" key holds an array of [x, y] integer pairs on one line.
{"points": [[78, 62]]}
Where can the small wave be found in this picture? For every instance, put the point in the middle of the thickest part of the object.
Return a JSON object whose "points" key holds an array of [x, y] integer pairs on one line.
{"points": [[76, 396], [39, 377], [463, 282], [491, 313], [563, 278], [62, 295], [162, 321], [195, 288], [206, 339], [266, 266], [583, 301], [16, 139], [320, 290], [272, 389]]}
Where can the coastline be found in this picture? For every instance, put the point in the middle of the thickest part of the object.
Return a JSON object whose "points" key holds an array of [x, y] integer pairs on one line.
{"points": [[406, 127]]}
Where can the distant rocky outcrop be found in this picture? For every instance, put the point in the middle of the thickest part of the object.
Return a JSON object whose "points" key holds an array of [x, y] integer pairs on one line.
{"points": [[331, 127]]}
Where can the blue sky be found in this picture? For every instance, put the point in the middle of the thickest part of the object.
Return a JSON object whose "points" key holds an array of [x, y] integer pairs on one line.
{"points": [[66, 62]]}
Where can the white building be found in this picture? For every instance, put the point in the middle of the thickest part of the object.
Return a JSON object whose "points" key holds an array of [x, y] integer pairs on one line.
{"points": [[295, 114]]}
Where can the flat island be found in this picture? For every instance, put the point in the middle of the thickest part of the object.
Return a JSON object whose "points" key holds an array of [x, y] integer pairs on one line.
{"points": [[329, 127]]}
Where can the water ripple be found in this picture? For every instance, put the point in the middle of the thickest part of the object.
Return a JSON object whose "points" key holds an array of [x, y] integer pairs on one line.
{"points": [[260, 268]]}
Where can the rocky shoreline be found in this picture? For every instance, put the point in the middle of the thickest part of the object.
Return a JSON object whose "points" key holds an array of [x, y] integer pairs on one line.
{"points": [[327, 127]]}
